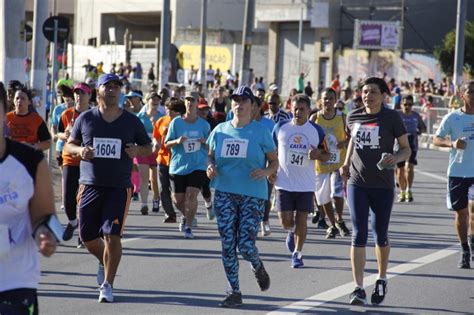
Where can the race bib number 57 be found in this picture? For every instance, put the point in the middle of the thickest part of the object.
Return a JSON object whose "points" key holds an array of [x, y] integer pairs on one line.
{"points": [[107, 148]]}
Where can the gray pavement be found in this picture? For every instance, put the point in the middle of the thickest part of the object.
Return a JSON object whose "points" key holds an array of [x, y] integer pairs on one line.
{"points": [[162, 273]]}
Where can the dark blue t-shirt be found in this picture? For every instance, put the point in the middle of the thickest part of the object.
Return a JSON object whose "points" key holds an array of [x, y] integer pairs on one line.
{"points": [[111, 165]]}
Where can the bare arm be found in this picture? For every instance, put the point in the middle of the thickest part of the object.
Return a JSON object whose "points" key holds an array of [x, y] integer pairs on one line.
{"points": [[272, 167], [43, 145], [447, 143]]}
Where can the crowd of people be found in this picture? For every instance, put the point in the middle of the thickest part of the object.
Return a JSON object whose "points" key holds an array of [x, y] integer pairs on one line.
{"points": [[245, 149]]}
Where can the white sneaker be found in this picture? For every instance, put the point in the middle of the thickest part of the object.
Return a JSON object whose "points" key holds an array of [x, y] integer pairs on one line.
{"points": [[265, 228], [105, 294]]}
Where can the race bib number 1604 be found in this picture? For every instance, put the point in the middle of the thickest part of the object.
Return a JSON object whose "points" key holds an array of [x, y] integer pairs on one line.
{"points": [[107, 148]]}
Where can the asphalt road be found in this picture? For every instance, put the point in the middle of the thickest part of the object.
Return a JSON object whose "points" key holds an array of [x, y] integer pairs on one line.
{"points": [[163, 273]]}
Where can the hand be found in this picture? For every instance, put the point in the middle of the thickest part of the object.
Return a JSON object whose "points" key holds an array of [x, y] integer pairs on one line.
{"points": [[182, 139], [87, 153], [156, 146], [389, 160], [202, 140], [344, 171], [272, 178], [460, 144], [341, 144], [313, 154], [211, 171], [132, 150], [45, 241], [258, 174]]}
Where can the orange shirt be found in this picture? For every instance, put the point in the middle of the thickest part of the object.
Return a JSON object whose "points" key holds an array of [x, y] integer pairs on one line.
{"points": [[68, 117], [29, 128], [159, 133]]}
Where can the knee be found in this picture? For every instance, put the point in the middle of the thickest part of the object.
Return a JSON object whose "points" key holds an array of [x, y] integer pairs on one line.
{"points": [[359, 238], [381, 239], [248, 251]]}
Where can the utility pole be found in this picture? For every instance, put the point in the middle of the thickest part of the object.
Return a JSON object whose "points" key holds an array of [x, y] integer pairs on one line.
{"points": [[163, 70], [39, 66], [459, 52], [247, 34], [12, 47], [202, 66], [300, 39], [402, 28]]}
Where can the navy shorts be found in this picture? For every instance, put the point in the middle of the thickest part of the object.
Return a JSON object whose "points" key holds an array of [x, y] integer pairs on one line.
{"points": [[102, 210], [294, 201], [460, 190], [22, 301], [195, 179], [413, 142]]}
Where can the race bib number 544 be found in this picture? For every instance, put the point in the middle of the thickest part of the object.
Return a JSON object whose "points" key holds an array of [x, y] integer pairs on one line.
{"points": [[366, 135], [107, 148]]}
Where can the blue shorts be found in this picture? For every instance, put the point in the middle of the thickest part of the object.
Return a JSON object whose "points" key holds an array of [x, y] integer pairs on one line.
{"points": [[294, 201], [102, 210], [460, 190], [413, 142]]}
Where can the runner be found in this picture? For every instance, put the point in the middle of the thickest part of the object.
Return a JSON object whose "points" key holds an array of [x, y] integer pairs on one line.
{"points": [[109, 136], [187, 139], [405, 170], [25, 126], [174, 109], [329, 185], [238, 154], [373, 129], [458, 126], [299, 143], [147, 165], [25, 176], [67, 101], [70, 173]]}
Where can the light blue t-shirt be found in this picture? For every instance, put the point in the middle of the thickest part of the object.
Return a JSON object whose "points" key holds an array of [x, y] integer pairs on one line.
{"points": [[57, 111], [147, 122], [237, 152], [268, 123], [459, 125], [191, 155]]}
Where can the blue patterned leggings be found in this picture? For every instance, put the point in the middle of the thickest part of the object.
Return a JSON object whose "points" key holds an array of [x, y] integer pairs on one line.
{"points": [[238, 220]]}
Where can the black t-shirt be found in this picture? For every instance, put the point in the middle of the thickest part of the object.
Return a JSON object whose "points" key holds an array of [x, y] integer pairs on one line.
{"points": [[372, 135], [111, 166]]}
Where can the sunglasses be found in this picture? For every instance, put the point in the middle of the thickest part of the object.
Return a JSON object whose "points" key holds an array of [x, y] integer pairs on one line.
{"points": [[407, 104]]}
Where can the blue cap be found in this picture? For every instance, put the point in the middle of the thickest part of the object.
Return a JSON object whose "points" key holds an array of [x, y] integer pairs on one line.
{"points": [[106, 78], [133, 94], [243, 91]]}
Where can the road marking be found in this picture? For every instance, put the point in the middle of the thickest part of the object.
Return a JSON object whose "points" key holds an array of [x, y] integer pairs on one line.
{"points": [[443, 179], [346, 289]]}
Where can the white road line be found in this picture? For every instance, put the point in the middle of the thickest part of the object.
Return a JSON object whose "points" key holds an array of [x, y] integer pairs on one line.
{"points": [[346, 289]]}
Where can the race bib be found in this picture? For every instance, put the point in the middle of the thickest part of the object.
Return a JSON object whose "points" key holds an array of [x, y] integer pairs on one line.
{"points": [[334, 157], [4, 241], [107, 148], [234, 148], [366, 135], [296, 158], [191, 145]]}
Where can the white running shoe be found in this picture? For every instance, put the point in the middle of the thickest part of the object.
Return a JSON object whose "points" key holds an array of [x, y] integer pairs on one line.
{"points": [[105, 294]]}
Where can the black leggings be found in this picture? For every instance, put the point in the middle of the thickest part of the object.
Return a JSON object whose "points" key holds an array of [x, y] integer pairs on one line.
{"points": [[70, 186], [19, 302]]}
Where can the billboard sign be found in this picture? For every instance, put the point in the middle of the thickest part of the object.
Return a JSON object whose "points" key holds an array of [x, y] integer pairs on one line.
{"points": [[376, 35]]}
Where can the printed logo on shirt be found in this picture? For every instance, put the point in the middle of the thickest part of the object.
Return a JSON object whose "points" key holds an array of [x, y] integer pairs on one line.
{"points": [[8, 195]]}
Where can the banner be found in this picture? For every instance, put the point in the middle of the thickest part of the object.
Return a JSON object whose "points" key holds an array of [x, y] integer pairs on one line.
{"points": [[376, 35]]}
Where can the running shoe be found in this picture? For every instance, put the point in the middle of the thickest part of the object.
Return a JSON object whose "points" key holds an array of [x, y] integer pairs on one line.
{"points": [[358, 297], [233, 299], [156, 206], [379, 292], [80, 244], [315, 218], [331, 232], [342, 228], [290, 242], [265, 228], [402, 197], [188, 233], [263, 279], [210, 212], [100, 274], [182, 224], [170, 219], [322, 224], [68, 232], [296, 262], [409, 196], [135, 196], [144, 210], [105, 294], [465, 263]]}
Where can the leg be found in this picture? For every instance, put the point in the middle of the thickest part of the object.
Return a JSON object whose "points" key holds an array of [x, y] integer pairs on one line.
{"points": [[461, 223], [165, 192], [382, 254], [358, 258], [97, 248], [112, 256], [410, 175], [179, 200], [301, 229], [287, 220], [191, 204], [402, 177], [154, 182], [144, 171]]}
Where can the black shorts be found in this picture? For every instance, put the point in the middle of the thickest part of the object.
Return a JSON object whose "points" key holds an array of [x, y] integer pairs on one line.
{"points": [[411, 160], [19, 302], [460, 190], [194, 179], [294, 201], [59, 158]]}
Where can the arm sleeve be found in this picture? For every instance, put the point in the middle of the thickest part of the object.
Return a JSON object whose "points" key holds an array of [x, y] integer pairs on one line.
{"points": [[211, 140], [61, 126], [43, 133]]}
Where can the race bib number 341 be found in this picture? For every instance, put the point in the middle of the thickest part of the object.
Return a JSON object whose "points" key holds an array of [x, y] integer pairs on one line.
{"points": [[234, 148], [107, 148]]}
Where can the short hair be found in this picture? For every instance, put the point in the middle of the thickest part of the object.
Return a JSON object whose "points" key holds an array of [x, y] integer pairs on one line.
{"points": [[329, 90], [3, 97], [301, 98], [408, 97], [383, 87], [65, 91], [176, 105]]}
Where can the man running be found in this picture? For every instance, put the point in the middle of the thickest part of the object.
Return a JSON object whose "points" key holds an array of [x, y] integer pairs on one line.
{"points": [[299, 142], [107, 138], [457, 132]]}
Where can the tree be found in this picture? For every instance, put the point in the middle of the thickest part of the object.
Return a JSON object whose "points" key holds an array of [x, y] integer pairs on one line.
{"points": [[445, 52]]}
